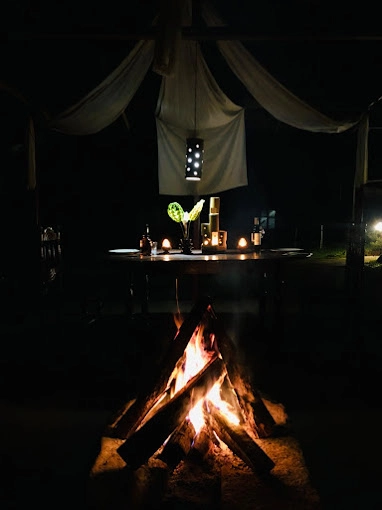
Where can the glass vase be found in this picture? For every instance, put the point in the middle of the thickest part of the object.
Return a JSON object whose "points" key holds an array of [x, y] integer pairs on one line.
{"points": [[185, 246]]}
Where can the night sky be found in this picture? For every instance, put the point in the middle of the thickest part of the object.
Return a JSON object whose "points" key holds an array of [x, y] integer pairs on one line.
{"points": [[90, 183]]}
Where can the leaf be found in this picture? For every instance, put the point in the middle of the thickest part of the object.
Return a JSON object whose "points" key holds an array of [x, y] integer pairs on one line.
{"points": [[196, 210], [175, 211]]}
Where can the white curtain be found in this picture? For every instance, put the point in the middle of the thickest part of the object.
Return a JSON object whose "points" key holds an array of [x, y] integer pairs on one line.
{"points": [[191, 104], [218, 121], [103, 105], [268, 92]]}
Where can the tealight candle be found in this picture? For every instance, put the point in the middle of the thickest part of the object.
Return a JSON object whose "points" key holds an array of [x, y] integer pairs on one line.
{"points": [[242, 244], [166, 245]]}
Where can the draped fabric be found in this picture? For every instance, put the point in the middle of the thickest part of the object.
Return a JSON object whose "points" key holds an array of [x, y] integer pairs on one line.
{"points": [[268, 92], [191, 104], [104, 104], [173, 15]]}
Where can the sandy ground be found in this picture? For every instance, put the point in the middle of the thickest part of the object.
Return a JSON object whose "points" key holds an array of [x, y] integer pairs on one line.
{"points": [[62, 382]]}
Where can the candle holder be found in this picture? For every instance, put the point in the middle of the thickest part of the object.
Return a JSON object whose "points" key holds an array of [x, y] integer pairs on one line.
{"points": [[166, 246]]}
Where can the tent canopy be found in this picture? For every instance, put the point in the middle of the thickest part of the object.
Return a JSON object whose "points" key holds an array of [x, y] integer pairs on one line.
{"points": [[190, 103]]}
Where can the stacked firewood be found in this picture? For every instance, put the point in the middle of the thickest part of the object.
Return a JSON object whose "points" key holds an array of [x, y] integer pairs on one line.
{"points": [[156, 422]]}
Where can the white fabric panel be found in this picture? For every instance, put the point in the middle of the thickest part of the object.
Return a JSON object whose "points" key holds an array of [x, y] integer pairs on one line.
{"points": [[269, 93], [173, 14], [104, 104], [223, 167], [217, 120]]}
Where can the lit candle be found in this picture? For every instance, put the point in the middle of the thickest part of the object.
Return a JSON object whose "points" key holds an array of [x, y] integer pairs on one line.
{"points": [[214, 238], [166, 245], [242, 244]]}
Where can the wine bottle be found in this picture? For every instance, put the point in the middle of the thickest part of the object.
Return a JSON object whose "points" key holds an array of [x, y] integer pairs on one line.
{"points": [[256, 235], [145, 242]]}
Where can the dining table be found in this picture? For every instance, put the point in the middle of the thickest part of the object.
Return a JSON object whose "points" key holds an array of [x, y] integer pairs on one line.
{"points": [[137, 272]]}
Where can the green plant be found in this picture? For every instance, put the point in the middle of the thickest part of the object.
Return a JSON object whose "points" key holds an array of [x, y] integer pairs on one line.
{"points": [[330, 252], [373, 242], [184, 218]]}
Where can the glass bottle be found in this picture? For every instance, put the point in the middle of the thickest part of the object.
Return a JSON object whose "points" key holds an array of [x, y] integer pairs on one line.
{"points": [[256, 235], [145, 242]]}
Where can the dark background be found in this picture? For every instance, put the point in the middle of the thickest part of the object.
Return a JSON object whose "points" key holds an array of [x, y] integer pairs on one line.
{"points": [[103, 188]]}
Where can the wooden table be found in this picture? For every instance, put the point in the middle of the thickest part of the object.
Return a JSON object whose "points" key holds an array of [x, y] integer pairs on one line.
{"points": [[267, 264]]}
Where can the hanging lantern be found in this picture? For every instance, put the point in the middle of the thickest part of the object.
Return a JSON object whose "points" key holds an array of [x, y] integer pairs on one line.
{"points": [[194, 159]]}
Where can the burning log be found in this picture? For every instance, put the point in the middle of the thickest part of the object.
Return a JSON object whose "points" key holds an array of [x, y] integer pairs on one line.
{"points": [[203, 445], [126, 422], [257, 415], [178, 445], [140, 446], [240, 443]]}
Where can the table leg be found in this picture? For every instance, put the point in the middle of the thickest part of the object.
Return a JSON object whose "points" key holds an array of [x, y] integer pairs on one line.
{"points": [[263, 299], [145, 295], [270, 302], [129, 296]]}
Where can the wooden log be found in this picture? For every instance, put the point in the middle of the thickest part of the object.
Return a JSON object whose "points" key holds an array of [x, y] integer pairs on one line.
{"points": [[240, 443], [202, 446], [178, 445], [140, 446], [258, 418], [229, 395], [126, 422], [145, 487]]}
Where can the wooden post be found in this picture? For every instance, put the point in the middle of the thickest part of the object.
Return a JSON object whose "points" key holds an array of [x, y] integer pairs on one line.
{"points": [[355, 255]]}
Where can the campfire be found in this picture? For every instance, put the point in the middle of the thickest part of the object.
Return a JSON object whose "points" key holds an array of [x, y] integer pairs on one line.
{"points": [[200, 398], [199, 435]]}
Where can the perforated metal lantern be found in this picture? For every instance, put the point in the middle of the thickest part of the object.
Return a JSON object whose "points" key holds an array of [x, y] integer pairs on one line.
{"points": [[194, 159]]}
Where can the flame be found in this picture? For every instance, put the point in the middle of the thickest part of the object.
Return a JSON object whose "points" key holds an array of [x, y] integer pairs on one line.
{"points": [[199, 351], [196, 356], [242, 243]]}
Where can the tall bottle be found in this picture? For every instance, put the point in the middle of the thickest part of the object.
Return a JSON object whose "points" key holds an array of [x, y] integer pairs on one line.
{"points": [[256, 235], [145, 242]]}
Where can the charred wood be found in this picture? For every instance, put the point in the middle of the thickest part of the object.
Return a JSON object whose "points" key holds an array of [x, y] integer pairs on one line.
{"points": [[178, 445], [147, 487], [258, 417], [239, 442], [140, 446], [126, 422], [203, 445]]}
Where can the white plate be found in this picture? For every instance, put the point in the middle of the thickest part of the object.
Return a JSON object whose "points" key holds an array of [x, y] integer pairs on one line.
{"points": [[287, 249], [122, 251], [301, 254]]}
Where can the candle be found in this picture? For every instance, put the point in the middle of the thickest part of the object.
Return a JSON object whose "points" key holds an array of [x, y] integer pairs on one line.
{"points": [[214, 238], [242, 244], [166, 245]]}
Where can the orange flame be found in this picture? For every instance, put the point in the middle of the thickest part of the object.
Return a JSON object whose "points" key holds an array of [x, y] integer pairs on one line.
{"points": [[199, 351]]}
